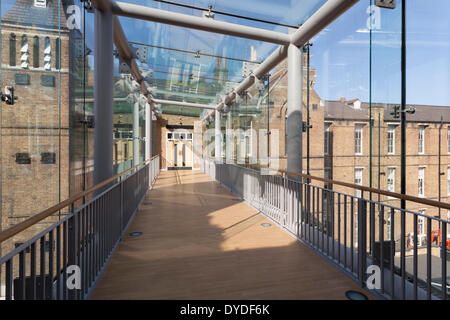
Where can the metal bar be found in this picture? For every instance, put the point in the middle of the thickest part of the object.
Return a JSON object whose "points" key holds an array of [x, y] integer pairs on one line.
{"points": [[58, 262], [184, 104], [324, 16], [429, 258], [22, 287], [9, 280], [42, 265], [403, 252], [50, 264], [345, 232], [33, 271], [339, 228], [443, 260], [187, 21], [225, 13], [372, 229], [392, 253], [415, 256], [294, 110], [65, 261], [103, 87], [352, 233], [381, 236]]}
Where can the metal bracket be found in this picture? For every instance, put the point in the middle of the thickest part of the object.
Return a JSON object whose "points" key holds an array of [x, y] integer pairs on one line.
{"points": [[124, 66], [88, 6], [8, 96], [140, 53], [88, 121], [208, 14], [388, 4]]}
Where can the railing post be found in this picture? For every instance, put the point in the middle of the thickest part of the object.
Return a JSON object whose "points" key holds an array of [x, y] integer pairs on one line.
{"points": [[121, 204], [362, 237], [71, 249]]}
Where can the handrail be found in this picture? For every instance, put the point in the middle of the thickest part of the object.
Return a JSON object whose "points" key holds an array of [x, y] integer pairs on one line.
{"points": [[12, 231], [425, 201]]}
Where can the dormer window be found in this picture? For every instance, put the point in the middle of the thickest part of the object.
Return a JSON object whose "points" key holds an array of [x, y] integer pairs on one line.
{"points": [[40, 3]]}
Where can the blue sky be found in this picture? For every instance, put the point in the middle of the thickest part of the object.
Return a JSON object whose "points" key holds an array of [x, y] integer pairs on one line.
{"points": [[340, 53]]}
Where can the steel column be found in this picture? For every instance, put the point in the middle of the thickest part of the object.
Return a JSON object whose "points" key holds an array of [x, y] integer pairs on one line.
{"points": [[103, 93], [148, 131], [294, 110], [218, 137], [136, 132]]}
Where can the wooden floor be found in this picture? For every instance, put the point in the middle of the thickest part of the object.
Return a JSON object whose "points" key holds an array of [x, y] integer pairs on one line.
{"points": [[200, 242]]}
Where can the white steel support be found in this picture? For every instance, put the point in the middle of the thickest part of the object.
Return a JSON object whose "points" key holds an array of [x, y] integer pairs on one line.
{"points": [[183, 104], [204, 24], [103, 93], [228, 141], [148, 131], [136, 132], [294, 110], [218, 137]]}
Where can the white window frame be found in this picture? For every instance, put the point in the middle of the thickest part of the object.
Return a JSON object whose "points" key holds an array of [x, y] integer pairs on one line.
{"points": [[391, 176], [448, 181], [448, 225], [358, 129], [391, 139], [448, 139], [421, 140], [421, 228], [358, 175], [421, 181]]}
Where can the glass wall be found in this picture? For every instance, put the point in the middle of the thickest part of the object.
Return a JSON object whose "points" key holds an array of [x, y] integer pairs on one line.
{"points": [[46, 146]]}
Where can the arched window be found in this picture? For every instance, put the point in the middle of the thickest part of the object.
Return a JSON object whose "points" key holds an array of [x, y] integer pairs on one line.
{"points": [[58, 53], [12, 49], [36, 52], [47, 54], [24, 52]]}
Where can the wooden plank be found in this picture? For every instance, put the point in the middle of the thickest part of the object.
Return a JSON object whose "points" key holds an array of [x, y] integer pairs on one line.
{"points": [[198, 242]]}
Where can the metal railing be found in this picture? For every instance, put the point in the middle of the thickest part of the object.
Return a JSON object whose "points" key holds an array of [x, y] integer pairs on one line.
{"points": [[65, 260], [360, 236]]}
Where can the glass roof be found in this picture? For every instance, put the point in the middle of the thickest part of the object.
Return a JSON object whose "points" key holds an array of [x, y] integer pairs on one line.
{"points": [[195, 66]]}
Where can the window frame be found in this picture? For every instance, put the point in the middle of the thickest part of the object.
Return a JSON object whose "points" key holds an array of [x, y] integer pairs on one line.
{"points": [[358, 129], [421, 140], [391, 140], [421, 176]]}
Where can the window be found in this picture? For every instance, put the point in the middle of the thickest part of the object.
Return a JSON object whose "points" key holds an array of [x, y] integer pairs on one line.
{"points": [[47, 54], [36, 52], [358, 180], [326, 149], [358, 139], [391, 180], [391, 139], [421, 139], [448, 140], [420, 229], [12, 51], [448, 181], [389, 228], [24, 52], [421, 182], [448, 225]]}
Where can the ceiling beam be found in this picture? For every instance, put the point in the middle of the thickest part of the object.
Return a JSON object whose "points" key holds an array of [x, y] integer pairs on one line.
{"points": [[198, 23]]}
